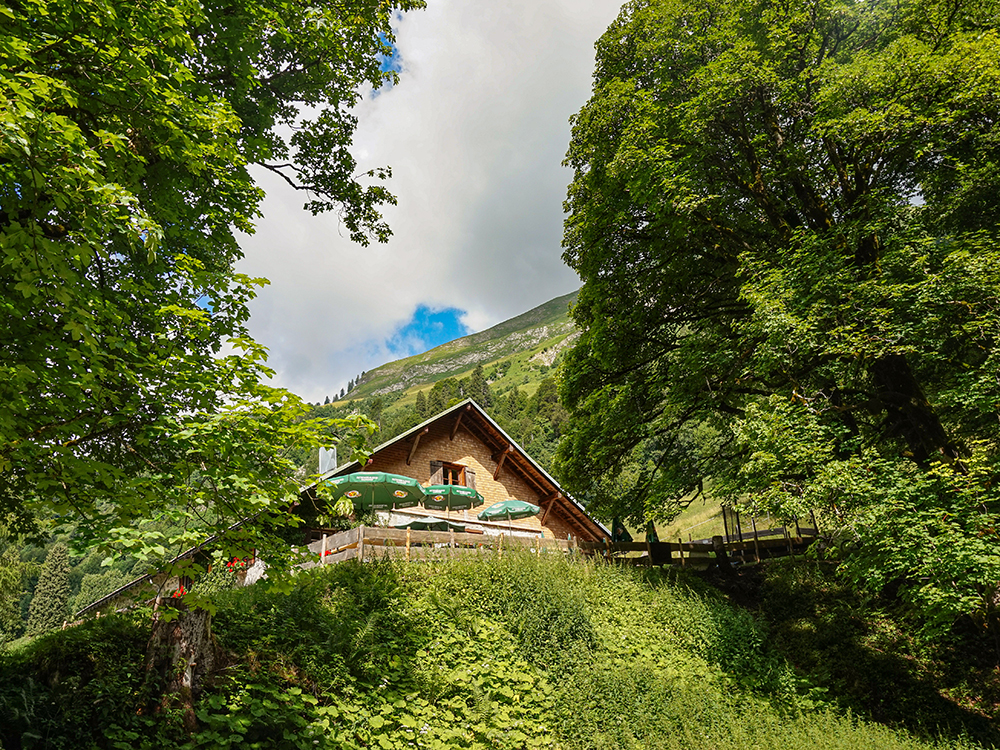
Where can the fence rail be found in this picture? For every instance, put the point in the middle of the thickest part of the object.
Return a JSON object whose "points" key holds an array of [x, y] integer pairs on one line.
{"points": [[762, 545], [368, 542]]}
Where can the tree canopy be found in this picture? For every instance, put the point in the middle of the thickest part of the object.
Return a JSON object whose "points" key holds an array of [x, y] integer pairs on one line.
{"points": [[129, 386], [785, 218]]}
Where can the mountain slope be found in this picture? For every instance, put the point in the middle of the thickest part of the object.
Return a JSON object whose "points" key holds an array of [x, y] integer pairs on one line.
{"points": [[539, 334]]}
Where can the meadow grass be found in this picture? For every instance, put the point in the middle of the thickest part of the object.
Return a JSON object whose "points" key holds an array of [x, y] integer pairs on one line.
{"points": [[518, 652]]}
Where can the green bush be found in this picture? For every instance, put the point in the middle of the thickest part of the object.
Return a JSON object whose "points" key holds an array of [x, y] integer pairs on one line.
{"points": [[518, 652], [58, 690]]}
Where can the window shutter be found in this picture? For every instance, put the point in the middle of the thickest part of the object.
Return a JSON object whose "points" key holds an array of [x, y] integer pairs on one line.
{"points": [[470, 478], [437, 472]]}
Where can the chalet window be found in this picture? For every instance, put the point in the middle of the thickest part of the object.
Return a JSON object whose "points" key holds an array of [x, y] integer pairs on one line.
{"points": [[453, 474], [443, 472]]}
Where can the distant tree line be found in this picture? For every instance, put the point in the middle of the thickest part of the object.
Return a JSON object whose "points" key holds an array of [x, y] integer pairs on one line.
{"points": [[45, 583]]}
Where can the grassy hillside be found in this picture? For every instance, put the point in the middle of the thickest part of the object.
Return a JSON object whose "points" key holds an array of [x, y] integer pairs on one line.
{"points": [[507, 369], [516, 652], [540, 333]]}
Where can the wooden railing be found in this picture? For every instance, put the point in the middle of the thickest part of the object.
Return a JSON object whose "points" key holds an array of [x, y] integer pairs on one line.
{"points": [[765, 544], [369, 542]]}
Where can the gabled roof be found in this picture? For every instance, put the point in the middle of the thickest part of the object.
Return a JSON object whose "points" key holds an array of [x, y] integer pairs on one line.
{"points": [[473, 418]]}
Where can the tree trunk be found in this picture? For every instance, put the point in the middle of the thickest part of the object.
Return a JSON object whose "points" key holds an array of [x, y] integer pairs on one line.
{"points": [[909, 415], [180, 656]]}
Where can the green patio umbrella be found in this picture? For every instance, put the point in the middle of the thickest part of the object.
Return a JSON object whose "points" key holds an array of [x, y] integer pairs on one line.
{"points": [[618, 532], [651, 536], [376, 490], [509, 510], [451, 497], [431, 524]]}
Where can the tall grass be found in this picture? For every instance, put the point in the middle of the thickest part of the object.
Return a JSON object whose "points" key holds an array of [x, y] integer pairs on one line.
{"points": [[518, 652]]}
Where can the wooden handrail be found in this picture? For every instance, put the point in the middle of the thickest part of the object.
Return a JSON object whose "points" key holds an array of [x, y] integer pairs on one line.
{"points": [[354, 543]]}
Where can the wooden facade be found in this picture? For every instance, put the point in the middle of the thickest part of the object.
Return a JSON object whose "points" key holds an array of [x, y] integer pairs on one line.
{"points": [[463, 443]]}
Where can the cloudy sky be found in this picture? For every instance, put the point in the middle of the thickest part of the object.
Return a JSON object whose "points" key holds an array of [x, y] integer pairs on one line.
{"points": [[475, 133]]}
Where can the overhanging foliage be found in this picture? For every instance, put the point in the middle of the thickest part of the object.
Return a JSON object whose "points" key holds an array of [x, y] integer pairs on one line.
{"points": [[785, 217], [129, 388]]}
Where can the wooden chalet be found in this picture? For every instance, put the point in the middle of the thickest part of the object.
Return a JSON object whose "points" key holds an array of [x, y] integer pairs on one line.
{"points": [[463, 445]]}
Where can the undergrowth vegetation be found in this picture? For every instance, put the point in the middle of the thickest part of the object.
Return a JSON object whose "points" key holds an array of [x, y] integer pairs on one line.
{"points": [[519, 652], [869, 653]]}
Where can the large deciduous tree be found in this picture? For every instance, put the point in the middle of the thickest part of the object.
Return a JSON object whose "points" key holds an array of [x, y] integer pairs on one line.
{"points": [[785, 216], [129, 388]]}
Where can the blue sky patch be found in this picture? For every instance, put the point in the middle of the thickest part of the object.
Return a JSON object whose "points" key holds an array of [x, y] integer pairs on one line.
{"points": [[392, 61], [426, 329]]}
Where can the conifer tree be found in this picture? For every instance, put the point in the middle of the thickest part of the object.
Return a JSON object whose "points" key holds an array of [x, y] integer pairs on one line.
{"points": [[12, 573], [48, 606], [479, 388], [96, 585], [421, 404]]}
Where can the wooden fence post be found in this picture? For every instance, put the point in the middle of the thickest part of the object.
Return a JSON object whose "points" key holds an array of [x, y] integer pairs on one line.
{"points": [[361, 543], [680, 549], [756, 546], [322, 551], [407, 544], [722, 559]]}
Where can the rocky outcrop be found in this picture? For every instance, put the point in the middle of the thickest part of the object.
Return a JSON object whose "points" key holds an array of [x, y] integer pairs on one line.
{"points": [[403, 375], [548, 356]]}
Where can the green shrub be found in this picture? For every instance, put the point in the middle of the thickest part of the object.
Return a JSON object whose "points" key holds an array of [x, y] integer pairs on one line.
{"points": [[66, 687], [519, 652]]}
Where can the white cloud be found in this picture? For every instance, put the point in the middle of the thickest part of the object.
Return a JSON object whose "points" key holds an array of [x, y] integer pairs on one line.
{"points": [[475, 133]]}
